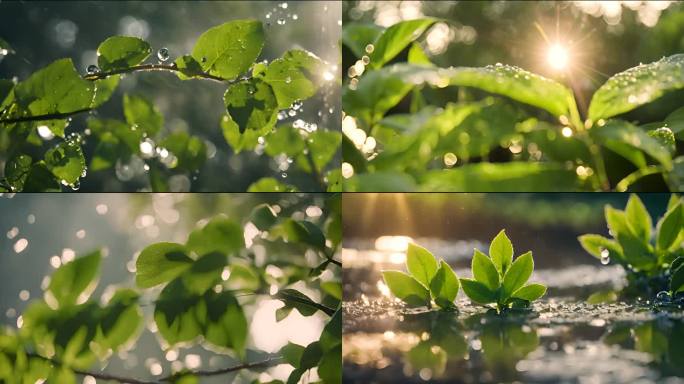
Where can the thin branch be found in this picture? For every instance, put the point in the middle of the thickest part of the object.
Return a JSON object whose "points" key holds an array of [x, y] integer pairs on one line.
{"points": [[149, 68], [327, 310], [49, 116], [636, 175], [269, 362]]}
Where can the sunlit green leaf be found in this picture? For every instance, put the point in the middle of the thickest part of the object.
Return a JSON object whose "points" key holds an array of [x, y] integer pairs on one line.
{"points": [[142, 114], [406, 288], [263, 217], [204, 273], [477, 292], [602, 297], [17, 170], [628, 134], [444, 286], [188, 67], [220, 234], [175, 314], [251, 104], [302, 231], [118, 52], [292, 353], [190, 150], [66, 162], [286, 139], [484, 270], [530, 292], [518, 274], [322, 145], [229, 49], [75, 280], [293, 77], [226, 324], [269, 184], [57, 88], [395, 38], [295, 299], [637, 86], [40, 179], [161, 262], [595, 244], [417, 55], [501, 252], [356, 36], [421, 264], [638, 218], [670, 227], [121, 320]]}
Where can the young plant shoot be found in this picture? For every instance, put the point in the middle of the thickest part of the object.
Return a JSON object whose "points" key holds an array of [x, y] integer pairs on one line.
{"points": [[497, 279]]}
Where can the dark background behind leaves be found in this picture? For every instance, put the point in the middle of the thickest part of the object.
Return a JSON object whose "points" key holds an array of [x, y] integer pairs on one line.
{"points": [[41, 32]]}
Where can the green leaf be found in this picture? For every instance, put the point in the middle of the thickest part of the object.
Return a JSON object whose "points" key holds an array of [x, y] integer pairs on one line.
{"points": [[501, 177], [226, 324], [251, 104], [229, 49], [190, 150], [220, 234], [303, 231], [356, 36], [269, 184], [510, 81], [295, 299], [444, 286], [395, 38], [594, 244], [311, 356], [677, 280], [66, 162], [602, 297], [406, 288], [104, 89], [637, 86], [176, 314], [6, 95], [670, 227], [161, 262], [380, 182], [119, 52], [638, 218], [332, 332], [286, 139], [616, 220], [121, 320], [375, 93], [204, 273], [40, 179], [332, 288], [240, 141], [292, 353], [626, 133], [501, 252], [74, 281], [665, 137], [330, 366], [417, 55], [636, 252], [142, 114], [674, 200], [57, 88], [484, 270], [188, 67], [17, 170], [676, 176], [530, 292], [323, 145], [477, 292], [421, 264], [518, 274], [263, 217], [293, 77]]}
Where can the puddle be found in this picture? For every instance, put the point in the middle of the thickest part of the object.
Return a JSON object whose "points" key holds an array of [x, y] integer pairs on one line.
{"points": [[562, 339]]}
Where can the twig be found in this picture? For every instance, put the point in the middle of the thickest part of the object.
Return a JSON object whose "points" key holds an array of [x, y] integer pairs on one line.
{"points": [[327, 310], [49, 116], [636, 175], [271, 361]]}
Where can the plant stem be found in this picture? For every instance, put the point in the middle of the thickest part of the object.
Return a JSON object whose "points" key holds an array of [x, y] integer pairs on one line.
{"points": [[269, 362], [150, 68], [636, 175], [49, 116]]}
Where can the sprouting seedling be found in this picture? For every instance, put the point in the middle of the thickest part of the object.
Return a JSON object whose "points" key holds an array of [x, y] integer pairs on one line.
{"points": [[500, 280], [636, 246], [426, 281]]}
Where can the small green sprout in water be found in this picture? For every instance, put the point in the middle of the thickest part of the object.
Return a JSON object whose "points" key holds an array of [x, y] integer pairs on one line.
{"points": [[426, 281], [500, 280], [651, 257]]}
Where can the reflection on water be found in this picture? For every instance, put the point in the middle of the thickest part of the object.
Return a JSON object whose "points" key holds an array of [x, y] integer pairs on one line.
{"points": [[562, 339]]}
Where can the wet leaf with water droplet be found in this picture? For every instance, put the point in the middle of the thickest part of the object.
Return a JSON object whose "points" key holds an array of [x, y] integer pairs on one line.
{"points": [[188, 67], [17, 170], [293, 76], [252, 105], [75, 278], [356, 36], [269, 184], [57, 88], [118, 52], [637, 86], [220, 53], [628, 134], [66, 162], [395, 38], [323, 145], [142, 113], [190, 150]]}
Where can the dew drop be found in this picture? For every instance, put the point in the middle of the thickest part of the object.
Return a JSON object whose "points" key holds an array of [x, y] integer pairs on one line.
{"points": [[163, 54], [288, 80], [605, 256], [93, 69]]}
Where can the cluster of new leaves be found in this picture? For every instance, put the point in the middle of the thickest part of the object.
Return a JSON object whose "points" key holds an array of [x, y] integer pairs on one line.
{"points": [[447, 147], [639, 248], [68, 331], [40, 107], [201, 277], [496, 278]]}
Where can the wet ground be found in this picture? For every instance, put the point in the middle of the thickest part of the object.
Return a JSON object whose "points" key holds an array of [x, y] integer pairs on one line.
{"points": [[562, 339]]}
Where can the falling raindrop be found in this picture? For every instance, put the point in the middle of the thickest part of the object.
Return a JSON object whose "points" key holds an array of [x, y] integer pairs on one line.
{"points": [[93, 69], [163, 54]]}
